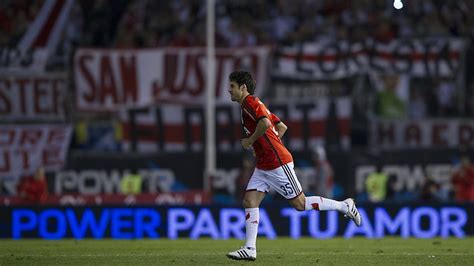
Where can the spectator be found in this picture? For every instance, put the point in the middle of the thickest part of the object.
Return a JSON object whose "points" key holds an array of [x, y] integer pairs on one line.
{"points": [[463, 181], [376, 185], [33, 189], [131, 184], [389, 104]]}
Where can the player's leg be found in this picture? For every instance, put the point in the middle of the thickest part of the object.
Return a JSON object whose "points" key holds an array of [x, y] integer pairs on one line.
{"points": [[285, 182], [251, 202], [302, 203], [254, 195]]}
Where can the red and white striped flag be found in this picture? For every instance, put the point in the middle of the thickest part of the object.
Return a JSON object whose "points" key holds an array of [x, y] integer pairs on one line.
{"points": [[45, 31]]}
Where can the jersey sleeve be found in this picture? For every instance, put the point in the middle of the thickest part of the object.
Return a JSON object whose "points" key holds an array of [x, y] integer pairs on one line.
{"points": [[275, 119], [262, 111], [256, 109]]}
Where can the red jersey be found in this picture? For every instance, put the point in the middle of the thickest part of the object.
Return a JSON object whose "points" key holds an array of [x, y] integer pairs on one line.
{"points": [[463, 181], [32, 190], [270, 151]]}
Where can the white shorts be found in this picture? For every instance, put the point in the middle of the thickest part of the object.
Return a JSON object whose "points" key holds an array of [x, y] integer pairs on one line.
{"points": [[282, 179]]}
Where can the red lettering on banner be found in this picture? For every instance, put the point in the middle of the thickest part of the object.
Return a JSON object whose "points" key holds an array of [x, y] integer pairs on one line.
{"points": [[56, 94], [128, 67], [22, 85], [430, 133], [108, 87], [30, 146], [31, 136], [7, 137], [413, 132], [155, 90], [88, 77], [193, 64], [5, 166], [220, 62], [56, 135], [25, 158], [437, 138], [31, 96], [466, 135], [110, 78], [38, 93], [51, 156], [5, 102], [171, 69], [119, 87]]}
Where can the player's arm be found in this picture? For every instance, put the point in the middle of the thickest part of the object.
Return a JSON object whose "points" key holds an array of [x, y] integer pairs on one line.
{"points": [[262, 126], [280, 128]]}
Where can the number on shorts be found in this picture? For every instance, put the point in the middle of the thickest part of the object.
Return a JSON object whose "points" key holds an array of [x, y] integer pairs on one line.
{"points": [[287, 189]]}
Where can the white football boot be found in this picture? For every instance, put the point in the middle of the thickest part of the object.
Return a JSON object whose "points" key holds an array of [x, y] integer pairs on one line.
{"points": [[244, 253], [352, 212]]}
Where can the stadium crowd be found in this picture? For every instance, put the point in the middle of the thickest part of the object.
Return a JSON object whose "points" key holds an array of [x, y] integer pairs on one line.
{"points": [[181, 23], [247, 23]]}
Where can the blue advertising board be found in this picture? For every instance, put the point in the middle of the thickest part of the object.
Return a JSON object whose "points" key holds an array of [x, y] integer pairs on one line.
{"points": [[419, 221]]}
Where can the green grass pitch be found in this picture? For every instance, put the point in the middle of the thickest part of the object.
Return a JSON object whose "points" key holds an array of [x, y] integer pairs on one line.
{"points": [[282, 251]]}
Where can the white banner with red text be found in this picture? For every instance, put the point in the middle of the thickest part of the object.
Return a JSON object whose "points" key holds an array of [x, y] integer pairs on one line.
{"points": [[24, 148], [33, 97], [441, 57], [427, 133], [108, 80]]}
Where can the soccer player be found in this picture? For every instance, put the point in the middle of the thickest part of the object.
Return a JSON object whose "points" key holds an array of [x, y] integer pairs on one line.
{"points": [[274, 168]]}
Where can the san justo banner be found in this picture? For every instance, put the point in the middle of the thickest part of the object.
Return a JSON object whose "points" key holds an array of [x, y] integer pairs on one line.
{"points": [[110, 79]]}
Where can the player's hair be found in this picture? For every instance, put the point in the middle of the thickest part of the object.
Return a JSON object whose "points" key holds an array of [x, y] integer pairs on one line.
{"points": [[243, 77]]}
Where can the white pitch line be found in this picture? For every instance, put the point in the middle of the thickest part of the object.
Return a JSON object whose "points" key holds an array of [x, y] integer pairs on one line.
{"points": [[223, 254], [384, 254]]}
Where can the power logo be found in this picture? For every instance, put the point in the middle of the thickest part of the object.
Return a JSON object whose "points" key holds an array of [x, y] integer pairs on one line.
{"points": [[122, 223]]}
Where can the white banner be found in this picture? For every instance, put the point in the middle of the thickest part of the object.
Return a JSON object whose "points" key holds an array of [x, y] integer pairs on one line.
{"points": [[24, 148], [334, 60], [32, 97], [434, 133], [108, 80], [172, 127]]}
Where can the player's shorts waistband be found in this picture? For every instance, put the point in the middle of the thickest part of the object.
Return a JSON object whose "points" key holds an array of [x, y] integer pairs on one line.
{"points": [[269, 169]]}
